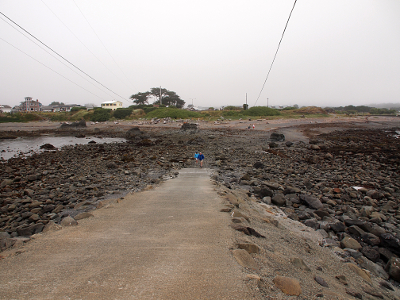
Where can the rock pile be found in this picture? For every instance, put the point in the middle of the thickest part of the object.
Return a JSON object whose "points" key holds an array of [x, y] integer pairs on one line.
{"points": [[345, 185], [47, 187], [76, 124]]}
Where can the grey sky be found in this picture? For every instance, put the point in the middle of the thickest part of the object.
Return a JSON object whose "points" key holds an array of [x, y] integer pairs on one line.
{"points": [[334, 52]]}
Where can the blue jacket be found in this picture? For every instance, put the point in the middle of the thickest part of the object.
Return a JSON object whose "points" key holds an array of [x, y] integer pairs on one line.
{"points": [[196, 155], [200, 157]]}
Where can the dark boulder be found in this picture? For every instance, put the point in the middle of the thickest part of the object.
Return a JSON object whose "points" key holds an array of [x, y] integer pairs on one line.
{"points": [[277, 137], [311, 201], [189, 126], [47, 146], [77, 124]]}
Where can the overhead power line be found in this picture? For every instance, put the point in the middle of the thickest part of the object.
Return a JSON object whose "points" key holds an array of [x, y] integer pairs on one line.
{"points": [[126, 77], [81, 42], [63, 57], [50, 68], [279, 44], [51, 54]]}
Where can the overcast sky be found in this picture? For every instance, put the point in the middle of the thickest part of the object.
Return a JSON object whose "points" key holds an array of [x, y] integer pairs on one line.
{"points": [[211, 53]]}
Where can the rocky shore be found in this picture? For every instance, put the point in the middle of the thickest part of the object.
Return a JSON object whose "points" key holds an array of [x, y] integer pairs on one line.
{"points": [[344, 184]]}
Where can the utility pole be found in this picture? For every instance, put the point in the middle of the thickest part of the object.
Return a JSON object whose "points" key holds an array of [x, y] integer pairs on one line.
{"points": [[267, 102], [160, 97]]}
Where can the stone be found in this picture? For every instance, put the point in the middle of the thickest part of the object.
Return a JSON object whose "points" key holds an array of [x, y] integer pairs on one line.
{"points": [[366, 211], [393, 268], [311, 201], [68, 221], [353, 293], [370, 253], [277, 137], [30, 230], [390, 241], [6, 182], [6, 243], [249, 247], [342, 279], [237, 214], [83, 215], [385, 254], [360, 272], [313, 223], [369, 290], [337, 226], [287, 285], [267, 200], [374, 268], [386, 285], [51, 226], [351, 243], [245, 259], [354, 230], [300, 264], [278, 199], [321, 281], [370, 239]]}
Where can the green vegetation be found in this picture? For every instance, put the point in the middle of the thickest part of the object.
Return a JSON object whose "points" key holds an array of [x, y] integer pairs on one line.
{"points": [[20, 117], [161, 97], [78, 108], [230, 112], [261, 111], [100, 115], [173, 113], [362, 109], [122, 113]]}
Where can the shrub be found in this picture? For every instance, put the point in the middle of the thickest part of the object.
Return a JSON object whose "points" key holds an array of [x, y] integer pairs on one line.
{"points": [[230, 107], [258, 111], [231, 113], [174, 113], [78, 108], [100, 115], [122, 113]]}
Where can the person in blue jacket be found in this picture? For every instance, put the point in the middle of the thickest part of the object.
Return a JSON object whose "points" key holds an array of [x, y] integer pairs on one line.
{"points": [[196, 157], [201, 158]]}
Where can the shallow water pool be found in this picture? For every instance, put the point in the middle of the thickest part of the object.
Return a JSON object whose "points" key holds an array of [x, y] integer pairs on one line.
{"points": [[29, 145]]}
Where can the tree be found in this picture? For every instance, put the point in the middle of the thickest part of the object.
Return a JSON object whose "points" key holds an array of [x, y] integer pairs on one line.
{"points": [[57, 103], [166, 97], [141, 98]]}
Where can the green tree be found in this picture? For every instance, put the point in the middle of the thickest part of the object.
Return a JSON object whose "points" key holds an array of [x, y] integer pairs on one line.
{"points": [[56, 103], [166, 97], [140, 98]]}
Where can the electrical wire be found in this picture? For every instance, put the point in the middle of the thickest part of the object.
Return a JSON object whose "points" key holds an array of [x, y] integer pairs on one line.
{"points": [[50, 68], [279, 44], [51, 54], [82, 42], [126, 77], [63, 57]]}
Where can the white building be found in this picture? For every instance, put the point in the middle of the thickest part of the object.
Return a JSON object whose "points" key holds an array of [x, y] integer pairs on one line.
{"points": [[5, 108], [113, 105]]}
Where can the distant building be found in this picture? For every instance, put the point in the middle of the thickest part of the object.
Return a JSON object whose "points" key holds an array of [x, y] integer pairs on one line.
{"points": [[113, 105], [90, 106], [64, 107], [30, 105], [5, 108]]}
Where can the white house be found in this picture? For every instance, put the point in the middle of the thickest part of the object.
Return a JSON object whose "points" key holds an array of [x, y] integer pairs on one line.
{"points": [[113, 105], [5, 108]]}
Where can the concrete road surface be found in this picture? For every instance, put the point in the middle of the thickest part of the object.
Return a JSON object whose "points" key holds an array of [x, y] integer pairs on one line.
{"points": [[167, 243]]}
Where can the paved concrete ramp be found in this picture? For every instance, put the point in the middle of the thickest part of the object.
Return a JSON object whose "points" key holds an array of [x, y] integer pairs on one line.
{"points": [[170, 242]]}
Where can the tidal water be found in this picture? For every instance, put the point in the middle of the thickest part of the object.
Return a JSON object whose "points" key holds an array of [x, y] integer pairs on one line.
{"points": [[28, 145]]}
